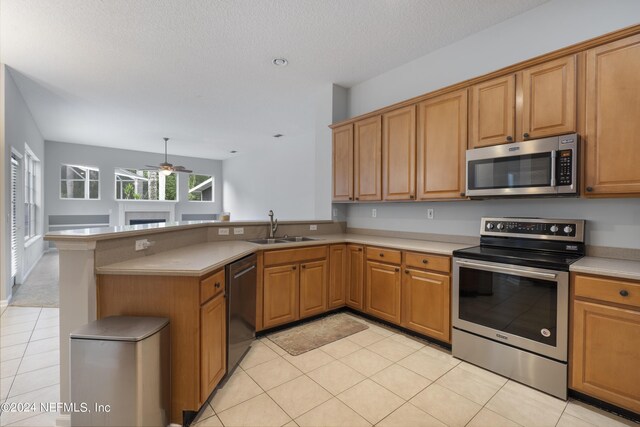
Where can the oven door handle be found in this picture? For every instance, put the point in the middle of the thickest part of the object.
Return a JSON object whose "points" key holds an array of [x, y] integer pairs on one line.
{"points": [[508, 270]]}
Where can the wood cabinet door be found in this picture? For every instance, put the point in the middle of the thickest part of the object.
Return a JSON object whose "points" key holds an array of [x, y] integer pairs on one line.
{"points": [[280, 295], [549, 99], [368, 159], [612, 138], [399, 154], [493, 112], [337, 276], [426, 303], [313, 288], [213, 343], [606, 353], [343, 163], [382, 293], [442, 146], [355, 277]]}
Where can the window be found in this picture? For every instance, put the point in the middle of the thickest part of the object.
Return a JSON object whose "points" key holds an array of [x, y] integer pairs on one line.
{"points": [[31, 194], [134, 184], [79, 182], [200, 188]]}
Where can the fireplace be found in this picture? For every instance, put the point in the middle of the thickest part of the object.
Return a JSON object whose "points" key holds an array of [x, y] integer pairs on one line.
{"points": [[146, 221]]}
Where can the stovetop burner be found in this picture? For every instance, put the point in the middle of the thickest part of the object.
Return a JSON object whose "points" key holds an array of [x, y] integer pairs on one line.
{"points": [[527, 258]]}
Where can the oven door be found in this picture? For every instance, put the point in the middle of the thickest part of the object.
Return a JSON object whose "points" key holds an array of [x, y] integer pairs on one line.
{"points": [[519, 306]]}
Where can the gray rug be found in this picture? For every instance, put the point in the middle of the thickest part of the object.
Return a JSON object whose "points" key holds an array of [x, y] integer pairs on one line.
{"points": [[312, 335], [41, 287]]}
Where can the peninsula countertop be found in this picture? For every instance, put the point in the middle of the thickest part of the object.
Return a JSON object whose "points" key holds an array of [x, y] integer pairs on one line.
{"points": [[202, 258]]}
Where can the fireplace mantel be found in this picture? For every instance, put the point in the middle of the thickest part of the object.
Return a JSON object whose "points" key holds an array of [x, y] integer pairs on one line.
{"points": [[165, 209]]}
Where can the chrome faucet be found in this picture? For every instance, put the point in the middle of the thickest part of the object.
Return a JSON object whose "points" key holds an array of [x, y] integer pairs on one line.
{"points": [[273, 225]]}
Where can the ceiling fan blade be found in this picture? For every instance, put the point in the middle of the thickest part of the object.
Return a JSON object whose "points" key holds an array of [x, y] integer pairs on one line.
{"points": [[181, 169]]}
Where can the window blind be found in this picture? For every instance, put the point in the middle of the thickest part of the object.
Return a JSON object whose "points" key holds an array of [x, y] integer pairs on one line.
{"points": [[14, 216]]}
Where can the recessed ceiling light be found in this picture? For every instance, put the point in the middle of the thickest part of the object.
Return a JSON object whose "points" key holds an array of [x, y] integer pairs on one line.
{"points": [[280, 62], [233, 151], [278, 135]]}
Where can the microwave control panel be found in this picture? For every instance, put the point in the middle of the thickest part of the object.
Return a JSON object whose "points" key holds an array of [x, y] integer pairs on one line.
{"points": [[564, 167]]}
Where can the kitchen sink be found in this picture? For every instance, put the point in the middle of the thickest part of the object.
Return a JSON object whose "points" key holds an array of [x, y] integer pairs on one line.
{"points": [[299, 239], [268, 241]]}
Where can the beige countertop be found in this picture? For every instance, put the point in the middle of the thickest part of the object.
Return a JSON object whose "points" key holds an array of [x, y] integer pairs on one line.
{"points": [[200, 259], [620, 268]]}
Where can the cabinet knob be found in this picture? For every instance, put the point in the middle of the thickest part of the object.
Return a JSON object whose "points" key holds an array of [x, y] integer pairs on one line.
{"points": [[350, 198], [425, 261], [217, 285], [509, 138], [525, 135], [381, 255], [406, 272], [359, 249], [397, 269], [294, 267], [589, 189], [357, 198], [624, 293], [411, 196], [303, 266], [462, 194]]}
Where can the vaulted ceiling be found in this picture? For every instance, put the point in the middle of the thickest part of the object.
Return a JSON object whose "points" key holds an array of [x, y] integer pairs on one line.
{"points": [[125, 73]]}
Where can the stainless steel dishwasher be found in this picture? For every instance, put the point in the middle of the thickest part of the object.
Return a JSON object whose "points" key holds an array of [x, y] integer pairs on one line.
{"points": [[241, 309]]}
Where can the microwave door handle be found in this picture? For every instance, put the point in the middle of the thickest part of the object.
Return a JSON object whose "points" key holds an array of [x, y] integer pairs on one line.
{"points": [[553, 168], [508, 270]]}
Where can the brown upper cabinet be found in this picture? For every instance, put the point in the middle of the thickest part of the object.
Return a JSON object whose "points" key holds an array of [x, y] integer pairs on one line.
{"points": [[493, 105], [368, 159], [549, 99], [612, 138], [343, 163], [548, 107], [441, 147], [399, 154]]}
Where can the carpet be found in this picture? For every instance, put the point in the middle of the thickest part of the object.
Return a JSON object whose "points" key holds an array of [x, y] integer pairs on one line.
{"points": [[41, 287], [317, 333]]}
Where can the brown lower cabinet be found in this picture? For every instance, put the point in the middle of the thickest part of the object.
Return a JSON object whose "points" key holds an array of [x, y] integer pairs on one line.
{"points": [[355, 277], [296, 287], [382, 291], [605, 344], [336, 289], [426, 303], [196, 310]]}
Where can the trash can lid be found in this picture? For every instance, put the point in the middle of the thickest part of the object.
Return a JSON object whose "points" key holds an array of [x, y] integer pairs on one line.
{"points": [[120, 328]]}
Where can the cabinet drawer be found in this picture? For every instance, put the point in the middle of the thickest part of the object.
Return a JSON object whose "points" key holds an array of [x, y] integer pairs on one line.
{"points": [[211, 286], [291, 256], [611, 290], [384, 255], [427, 261]]}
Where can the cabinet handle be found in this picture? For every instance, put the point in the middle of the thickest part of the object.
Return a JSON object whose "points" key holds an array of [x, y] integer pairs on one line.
{"points": [[217, 285], [589, 189], [397, 269], [381, 255], [294, 267], [509, 138], [526, 135], [425, 261], [624, 293]]}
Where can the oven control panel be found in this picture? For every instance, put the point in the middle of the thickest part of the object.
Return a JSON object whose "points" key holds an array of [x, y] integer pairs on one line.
{"points": [[532, 228]]}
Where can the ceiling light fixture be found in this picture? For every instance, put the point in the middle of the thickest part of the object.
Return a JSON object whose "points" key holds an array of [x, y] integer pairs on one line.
{"points": [[280, 62], [278, 135], [233, 151]]}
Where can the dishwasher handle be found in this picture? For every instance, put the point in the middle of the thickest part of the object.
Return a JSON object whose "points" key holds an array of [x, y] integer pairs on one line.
{"points": [[245, 271]]}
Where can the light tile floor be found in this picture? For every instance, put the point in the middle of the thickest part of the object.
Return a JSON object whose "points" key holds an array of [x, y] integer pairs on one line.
{"points": [[378, 376], [29, 363], [382, 377]]}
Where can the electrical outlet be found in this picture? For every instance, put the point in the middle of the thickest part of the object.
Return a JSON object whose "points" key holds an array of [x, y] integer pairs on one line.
{"points": [[374, 213], [141, 245], [223, 231], [335, 212], [313, 227], [429, 213], [238, 230]]}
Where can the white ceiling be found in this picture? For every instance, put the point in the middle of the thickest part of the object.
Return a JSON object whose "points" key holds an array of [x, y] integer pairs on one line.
{"points": [[125, 73]]}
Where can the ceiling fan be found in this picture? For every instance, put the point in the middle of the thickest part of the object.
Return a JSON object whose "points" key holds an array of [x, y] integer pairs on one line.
{"points": [[167, 168]]}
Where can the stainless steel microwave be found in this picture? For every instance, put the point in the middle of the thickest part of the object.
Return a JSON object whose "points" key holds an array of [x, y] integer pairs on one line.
{"points": [[542, 167]]}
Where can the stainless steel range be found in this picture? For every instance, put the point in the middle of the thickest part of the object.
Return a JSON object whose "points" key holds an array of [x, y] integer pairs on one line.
{"points": [[510, 307]]}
